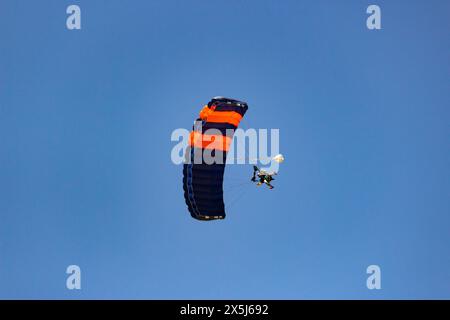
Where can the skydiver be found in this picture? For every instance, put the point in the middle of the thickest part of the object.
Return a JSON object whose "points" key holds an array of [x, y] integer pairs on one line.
{"points": [[263, 177]]}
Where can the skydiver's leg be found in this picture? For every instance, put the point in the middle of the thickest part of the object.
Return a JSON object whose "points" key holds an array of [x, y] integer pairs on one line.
{"points": [[268, 184], [255, 169]]}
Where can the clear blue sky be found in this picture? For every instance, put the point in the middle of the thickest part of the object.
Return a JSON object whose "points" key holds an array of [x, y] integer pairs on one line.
{"points": [[85, 170]]}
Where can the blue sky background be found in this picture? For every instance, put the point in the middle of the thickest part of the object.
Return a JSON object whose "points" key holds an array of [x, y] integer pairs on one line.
{"points": [[85, 171]]}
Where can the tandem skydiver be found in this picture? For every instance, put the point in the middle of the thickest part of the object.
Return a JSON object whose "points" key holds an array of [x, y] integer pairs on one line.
{"points": [[263, 177]]}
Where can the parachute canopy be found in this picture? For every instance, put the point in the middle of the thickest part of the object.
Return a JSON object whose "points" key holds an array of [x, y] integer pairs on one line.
{"points": [[278, 158], [203, 181]]}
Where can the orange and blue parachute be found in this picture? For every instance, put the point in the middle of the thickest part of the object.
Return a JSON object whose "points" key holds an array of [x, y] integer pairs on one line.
{"points": [[203, 180]]}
